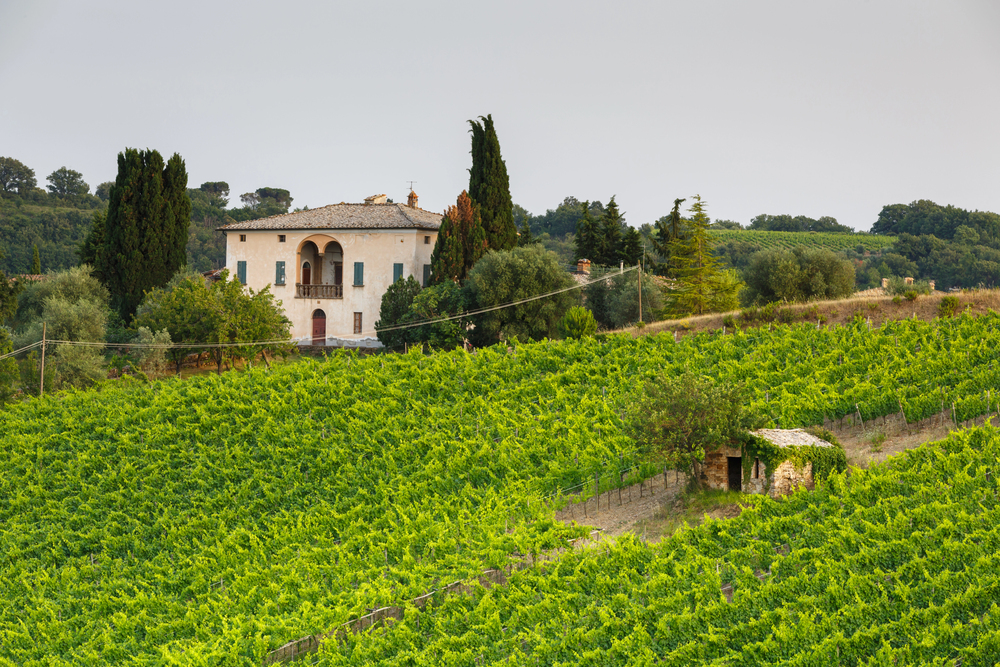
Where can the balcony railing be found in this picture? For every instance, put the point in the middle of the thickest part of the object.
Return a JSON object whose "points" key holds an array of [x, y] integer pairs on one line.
{"points": [[319, 291]]}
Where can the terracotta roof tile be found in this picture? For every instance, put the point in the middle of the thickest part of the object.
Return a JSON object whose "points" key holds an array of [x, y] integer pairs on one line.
{"points": [[346, 216]]}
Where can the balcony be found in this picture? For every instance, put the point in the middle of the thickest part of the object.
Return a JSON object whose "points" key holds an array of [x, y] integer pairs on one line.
{"points": [[319, 291]]}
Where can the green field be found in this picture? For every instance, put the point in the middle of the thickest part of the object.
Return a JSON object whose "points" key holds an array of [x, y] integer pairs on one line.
{"points": [[789, 240], [211, 520]]}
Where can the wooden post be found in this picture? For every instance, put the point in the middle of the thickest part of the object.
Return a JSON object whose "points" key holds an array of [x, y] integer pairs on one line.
{"points": [[639, 272], [597, 493], [41, 378], [619, 488], [860, 417]]}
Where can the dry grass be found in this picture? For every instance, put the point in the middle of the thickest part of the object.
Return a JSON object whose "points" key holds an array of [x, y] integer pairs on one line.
{"points": [[879, 309]]}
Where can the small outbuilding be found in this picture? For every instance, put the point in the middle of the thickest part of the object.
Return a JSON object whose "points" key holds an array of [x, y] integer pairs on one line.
{"points": [[772, 461]]}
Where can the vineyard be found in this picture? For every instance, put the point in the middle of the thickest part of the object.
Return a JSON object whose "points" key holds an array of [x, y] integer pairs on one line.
{"points": [[789, 240], [893, 566], [218, 518]]}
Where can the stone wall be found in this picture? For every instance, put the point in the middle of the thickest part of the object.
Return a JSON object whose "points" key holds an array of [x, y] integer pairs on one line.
{"points": [[715, 475], [787, 478], [715, 471]]}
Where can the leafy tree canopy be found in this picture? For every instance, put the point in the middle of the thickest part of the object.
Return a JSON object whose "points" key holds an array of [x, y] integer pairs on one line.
{"points": [[799, 223], [66, 182], [798, 275]]}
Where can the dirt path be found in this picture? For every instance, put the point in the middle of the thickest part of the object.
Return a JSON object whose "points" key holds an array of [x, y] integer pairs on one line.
{"points": [[654, 509]]}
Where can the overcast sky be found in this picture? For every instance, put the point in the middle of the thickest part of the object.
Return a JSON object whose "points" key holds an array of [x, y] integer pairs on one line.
{"points": [[811, 108]]}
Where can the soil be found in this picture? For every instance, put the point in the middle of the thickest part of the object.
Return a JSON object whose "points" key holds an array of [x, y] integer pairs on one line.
{"points": [[662, 509]]}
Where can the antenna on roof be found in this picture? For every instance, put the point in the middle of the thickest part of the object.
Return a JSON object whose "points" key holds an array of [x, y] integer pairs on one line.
{"points": [[411, 184]]}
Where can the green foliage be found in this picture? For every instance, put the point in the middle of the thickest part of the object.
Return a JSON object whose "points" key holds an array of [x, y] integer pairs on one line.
{"points": [[677, 419], [460, 243], [577, 323], [837, 242], [16, 177], [561, 221], [800, 275], [70, 285], [508, 276], [614, 300], [949, 306], [435, 302], [36, 261], [900, 286], [396, 303], [9, 291], [824, 460], [146, 229], [8, 367], [586, 238], [911, 295], [489, 186], [799, 223], [57, 227], [151, 357], [699, 283], [66, 182], [667, 231], [188, 311]]}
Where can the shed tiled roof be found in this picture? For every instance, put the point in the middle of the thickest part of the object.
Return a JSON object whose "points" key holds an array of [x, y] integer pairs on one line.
{"points": [[346, 216], [790, 438]]}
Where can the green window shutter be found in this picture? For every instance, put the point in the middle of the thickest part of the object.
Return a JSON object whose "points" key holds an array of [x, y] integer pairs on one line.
{"points": [[397, 272], [279, 273], [241, 272], [427, 275], [359, 273]]}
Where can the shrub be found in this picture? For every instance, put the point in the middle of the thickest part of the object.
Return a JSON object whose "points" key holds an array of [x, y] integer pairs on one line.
{"points": [[899, 286], [949, 306], [577, 323], [797, 275], [729, 321], [786, 315], [896, 300], [911, 295], [811, 313]]}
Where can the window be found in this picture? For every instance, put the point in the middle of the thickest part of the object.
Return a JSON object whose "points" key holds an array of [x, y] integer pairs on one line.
{"points": [[427, 275], [427, 240], [241, 272], [279, 273], [397, 272], [359, 274], [281, 238], [243, 238], [357, 323]]}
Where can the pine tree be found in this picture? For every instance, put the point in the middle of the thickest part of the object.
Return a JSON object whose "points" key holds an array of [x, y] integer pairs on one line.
{"points": [[667, 230], [698, 274], [524, 236], [36, 261], [145, 231], [632, 248], [460, 243], [585, 238], [489, 186], [93, 243], [609, 246]]}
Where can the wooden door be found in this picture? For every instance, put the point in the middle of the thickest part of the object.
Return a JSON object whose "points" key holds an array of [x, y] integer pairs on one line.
{"points": [[338, 273], [306, 274], [319, 328]]}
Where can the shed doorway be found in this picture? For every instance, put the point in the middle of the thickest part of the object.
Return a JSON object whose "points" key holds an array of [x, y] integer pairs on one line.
{"points": [[319, 327], [735, 473]]}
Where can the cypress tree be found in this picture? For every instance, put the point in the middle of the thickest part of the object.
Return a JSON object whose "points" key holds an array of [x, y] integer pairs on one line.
{"points": [[36, 261], [489, 186], [145, 230], [460, 243], [667, 231]]}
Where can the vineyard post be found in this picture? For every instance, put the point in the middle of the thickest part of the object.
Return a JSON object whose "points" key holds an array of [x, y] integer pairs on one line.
{"points": [[639, 273], [903, 412], [860, 417], [597, 493], [41, 378]]}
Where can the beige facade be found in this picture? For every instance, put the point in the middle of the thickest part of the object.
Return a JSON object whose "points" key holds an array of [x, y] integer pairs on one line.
{"points": [[331, 280]]}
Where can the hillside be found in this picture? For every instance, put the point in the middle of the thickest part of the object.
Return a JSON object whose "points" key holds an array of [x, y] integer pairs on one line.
{"points": [[221, 517], [764, 240]]}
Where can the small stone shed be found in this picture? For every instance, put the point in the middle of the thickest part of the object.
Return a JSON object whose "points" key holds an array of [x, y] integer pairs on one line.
{"points": [[723, 468]]}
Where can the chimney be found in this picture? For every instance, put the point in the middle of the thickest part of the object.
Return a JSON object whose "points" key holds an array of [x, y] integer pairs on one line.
{"points": [[583, 266], [377, 199], [411, 201]]}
